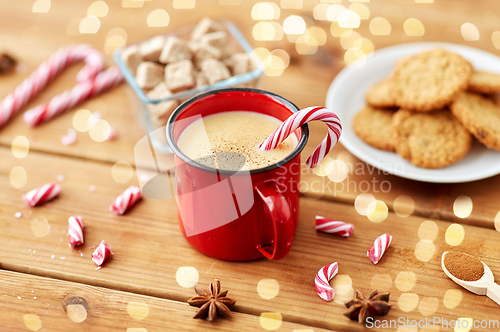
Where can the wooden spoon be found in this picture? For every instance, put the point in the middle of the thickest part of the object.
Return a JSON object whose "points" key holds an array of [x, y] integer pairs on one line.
{"points": [[484, 286]]}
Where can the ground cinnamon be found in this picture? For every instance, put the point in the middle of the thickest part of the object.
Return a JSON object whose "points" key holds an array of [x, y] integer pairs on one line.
{"points": [[464, 266]]}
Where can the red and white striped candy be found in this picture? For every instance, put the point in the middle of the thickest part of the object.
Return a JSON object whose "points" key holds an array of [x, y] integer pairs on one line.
{"points": [[47, 71], [379, 247], [322, 281], [101, 253], [123, 202], [75, 231], [334, 227], [41, 195], [298, 119], [70, 98]]}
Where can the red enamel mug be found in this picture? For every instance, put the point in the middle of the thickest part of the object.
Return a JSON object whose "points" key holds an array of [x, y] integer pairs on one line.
{"points": [[237, 215]]}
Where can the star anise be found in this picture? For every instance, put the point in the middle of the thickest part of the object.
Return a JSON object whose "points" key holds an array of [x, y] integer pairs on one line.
{"points": [[361, 308], [212, 303]]}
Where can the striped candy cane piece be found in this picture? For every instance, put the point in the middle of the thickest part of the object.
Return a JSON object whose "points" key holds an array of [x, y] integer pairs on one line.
{"points": [[41, 195], [47, 71], [322, 281], [379, 247], [315, 113], [334, 227], [101, 253], [70, 98], [75, 231], [123, 202]]}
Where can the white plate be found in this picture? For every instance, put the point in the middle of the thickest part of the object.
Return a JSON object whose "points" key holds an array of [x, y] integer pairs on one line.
{"points": [[346, 97]]}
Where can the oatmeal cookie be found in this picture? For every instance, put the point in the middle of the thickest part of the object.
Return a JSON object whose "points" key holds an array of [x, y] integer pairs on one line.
{"points": [[374, 127]]}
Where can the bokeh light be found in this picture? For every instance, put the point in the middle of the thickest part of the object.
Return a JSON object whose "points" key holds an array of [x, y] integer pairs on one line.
{"points": [[187, 276], [138, 310], [336, 30], [455, 235], [360, 9], [267, 31], [20, 147], [428, 230], [76, 312], [32, 322], [89, 25], [40, 226], [354, 54], [405, 281], [268, 288], [324, 167], [408, 302], [270, 321], [40, 6], [413, 27], [348, 159], [122, 171], [495, 39], [363, 204], [319, 11], [404, 206], [18, 177], [116, 37], [80, 120], [469, 31], [497, 221], [184, 4], [425, 250], [333, 12], [462, 207], [342, 284], [463, 324], [452, 298], [98, 9], [428, 306], [381, 282], [306, 46], [318, 34], [380, 211], [265, 11], [349, 19], [339, 171], [158, 18], [348, 38], [294, 25], [100, 131], [380, 26]]}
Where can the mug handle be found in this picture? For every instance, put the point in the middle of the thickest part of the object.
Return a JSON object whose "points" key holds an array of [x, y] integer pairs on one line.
{"points": [[281, 216]]}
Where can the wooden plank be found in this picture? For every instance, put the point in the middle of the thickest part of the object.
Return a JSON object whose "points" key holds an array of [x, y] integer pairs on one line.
{"points": [[28, 302], [305, 82], [149, 249]]}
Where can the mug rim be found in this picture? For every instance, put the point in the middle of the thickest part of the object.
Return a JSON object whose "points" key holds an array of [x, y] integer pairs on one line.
{"points": [[177, 151]]}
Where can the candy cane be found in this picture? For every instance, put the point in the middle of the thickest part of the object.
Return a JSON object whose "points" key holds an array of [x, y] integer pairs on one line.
{"points": [[334, 227], [322, 281], [41, 195], [75, 231], [298, 119], [379, 247], [70, 98], [101, 253], [47, 71], [123, 202]]}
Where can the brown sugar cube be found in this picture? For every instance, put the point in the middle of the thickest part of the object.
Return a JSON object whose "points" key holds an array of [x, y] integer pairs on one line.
{"points": [[206, 51], [175, 49], [151, 49], [161, 111], [206, 25], [239, 63], [149, 74], [201, 79], [132, 57], [180, 75], [216, 39], [214, 70]]}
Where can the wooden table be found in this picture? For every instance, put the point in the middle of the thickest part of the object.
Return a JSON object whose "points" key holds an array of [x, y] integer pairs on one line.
{"points": [[46, 286]]}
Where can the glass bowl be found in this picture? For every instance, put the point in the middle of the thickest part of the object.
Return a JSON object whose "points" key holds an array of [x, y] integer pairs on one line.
{"points": [[236, 41]]}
